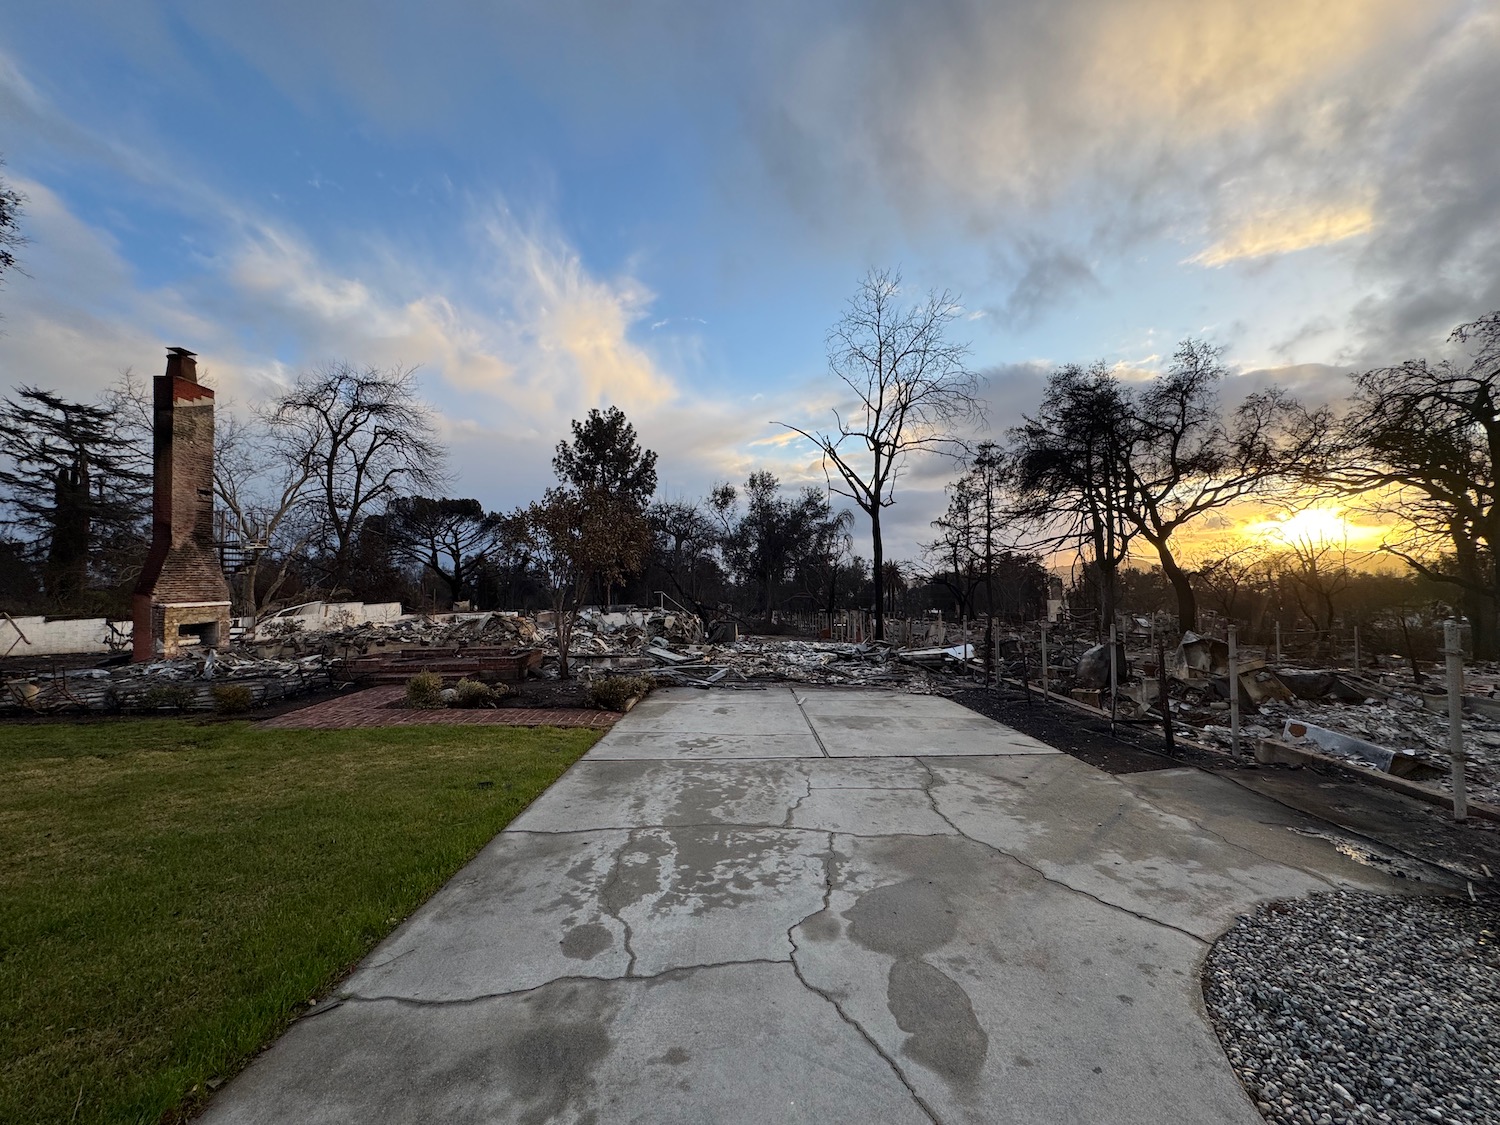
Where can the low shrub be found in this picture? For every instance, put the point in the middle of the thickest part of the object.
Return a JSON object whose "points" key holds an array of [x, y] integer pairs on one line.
{"points": [[424, 691], [233, 699], [473, 693], [167, 697], [612, 693]]}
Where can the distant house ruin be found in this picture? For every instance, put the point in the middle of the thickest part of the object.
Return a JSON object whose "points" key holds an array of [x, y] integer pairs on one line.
{"points": [[182, 597]]}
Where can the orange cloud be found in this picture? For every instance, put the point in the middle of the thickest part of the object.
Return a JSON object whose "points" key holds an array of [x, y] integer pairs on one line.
{"points": [[1286, 231]]}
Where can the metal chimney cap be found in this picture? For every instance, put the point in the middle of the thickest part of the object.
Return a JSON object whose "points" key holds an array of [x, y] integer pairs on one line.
{"points": [[181, 351]]}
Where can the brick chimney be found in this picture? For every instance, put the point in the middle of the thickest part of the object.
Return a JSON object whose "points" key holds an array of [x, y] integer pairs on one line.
{"points": [[182, 597]]}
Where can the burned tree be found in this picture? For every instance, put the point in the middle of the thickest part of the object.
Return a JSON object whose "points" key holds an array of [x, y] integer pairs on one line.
{"points": [[451, 538], [265, 497], [951, 560], [1187, 459], [1110, 461], [602, 458], [968, 544], [11, 202], [573, 538], [366, 438], [75, 491], [910, 389], [1070, 464], [1420, 443], [685, 552]]}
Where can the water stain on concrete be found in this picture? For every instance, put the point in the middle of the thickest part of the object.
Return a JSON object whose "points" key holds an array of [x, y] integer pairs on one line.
{"points": [[704, 796], [584, 943], [857, 722], [551, 1065], [938, 1017], [673, 1056], [637, 874], [822, 926], [905, 919]]}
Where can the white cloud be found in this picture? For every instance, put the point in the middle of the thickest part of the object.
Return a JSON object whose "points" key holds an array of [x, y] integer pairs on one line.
{"points": [[511, 346]]}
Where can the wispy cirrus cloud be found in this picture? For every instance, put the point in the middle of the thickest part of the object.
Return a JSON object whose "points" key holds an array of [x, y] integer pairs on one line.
{"points": [[1287, 231]]}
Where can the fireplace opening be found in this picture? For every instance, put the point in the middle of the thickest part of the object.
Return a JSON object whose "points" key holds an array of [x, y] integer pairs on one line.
{"points": [[201, 633]]}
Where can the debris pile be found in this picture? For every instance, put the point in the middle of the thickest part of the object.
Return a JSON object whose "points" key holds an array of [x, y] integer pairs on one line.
{"points": [[1382, 721], [1392, 727], [779, 659], [281, 637], [185, 683]]}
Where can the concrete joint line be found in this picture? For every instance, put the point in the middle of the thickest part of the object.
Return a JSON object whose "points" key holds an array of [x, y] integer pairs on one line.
{"points": [[932, 798], [1228, 843], [869, 1039]]}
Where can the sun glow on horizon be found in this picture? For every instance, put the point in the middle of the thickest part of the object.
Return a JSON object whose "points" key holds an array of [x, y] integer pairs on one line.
{"points": [[1318, 526]]}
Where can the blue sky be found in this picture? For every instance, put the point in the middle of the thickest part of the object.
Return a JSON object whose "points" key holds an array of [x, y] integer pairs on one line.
{"points": [[663, 205]]}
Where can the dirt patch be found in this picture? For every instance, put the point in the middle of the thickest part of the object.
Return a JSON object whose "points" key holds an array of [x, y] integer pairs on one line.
{"points": [[551, 694]]}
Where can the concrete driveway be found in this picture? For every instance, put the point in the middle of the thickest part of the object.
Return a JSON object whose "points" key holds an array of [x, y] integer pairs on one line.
{"points": [[803, 905]]}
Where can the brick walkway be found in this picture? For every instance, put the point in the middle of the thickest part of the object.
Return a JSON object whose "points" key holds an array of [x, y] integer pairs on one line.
{"points": [[368, 709]]}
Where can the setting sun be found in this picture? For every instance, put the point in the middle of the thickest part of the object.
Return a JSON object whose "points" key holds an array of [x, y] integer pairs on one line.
{"points": [[1317, 526]]}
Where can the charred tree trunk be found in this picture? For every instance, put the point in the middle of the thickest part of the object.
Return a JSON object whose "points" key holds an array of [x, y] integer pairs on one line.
{"points": [[1182, 586]]}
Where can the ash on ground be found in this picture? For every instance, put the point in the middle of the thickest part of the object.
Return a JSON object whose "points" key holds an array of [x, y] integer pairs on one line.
{"points": [[1350, 1007]]}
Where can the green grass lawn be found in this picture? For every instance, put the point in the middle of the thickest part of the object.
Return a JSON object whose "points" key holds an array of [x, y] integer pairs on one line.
{"points": [[172, 892]]}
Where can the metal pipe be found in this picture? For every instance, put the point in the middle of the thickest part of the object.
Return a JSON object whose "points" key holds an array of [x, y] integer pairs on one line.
{"points": [[1114, 678], [1164, 697], [1044, 661], [1234, 696], [1453, 650], [1356, 648], [1278, 642]]}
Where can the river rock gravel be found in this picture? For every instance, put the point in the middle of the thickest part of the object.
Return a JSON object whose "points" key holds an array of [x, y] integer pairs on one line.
{"points": [[1349, 1007]]}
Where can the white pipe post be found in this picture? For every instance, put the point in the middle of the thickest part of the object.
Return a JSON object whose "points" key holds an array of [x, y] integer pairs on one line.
{"points": [[1234, 696], [1453, 650]]}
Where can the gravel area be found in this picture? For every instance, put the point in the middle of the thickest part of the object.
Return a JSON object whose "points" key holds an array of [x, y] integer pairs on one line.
{"points": [[1358, 1008]]}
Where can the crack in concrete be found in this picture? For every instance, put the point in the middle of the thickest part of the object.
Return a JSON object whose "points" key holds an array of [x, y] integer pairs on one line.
{"points": [[728, 825], [604, 899], [828, 997], [866, 788], [460, 1001], [791, 812], [932, 799]]}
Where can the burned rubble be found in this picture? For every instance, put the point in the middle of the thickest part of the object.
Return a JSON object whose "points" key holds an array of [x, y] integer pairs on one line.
{"points": [[281, 657], [1379, 719]]}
